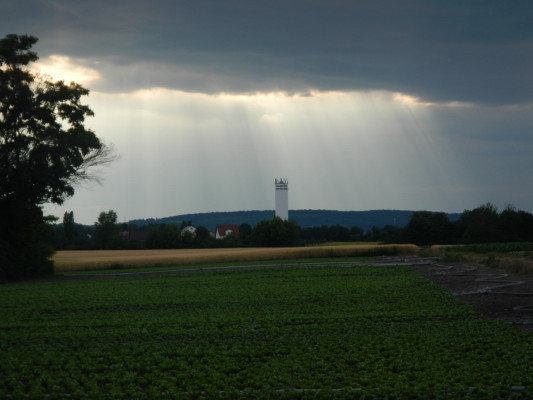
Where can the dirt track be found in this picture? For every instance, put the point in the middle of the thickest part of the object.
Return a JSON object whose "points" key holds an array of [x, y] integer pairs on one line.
{"points": [[495, 292]]}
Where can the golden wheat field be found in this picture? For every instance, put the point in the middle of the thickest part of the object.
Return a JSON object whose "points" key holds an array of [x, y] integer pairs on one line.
{"points": [[79, 260]]}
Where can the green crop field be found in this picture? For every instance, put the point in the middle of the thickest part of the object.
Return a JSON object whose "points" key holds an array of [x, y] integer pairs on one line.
{"points": [[297, 332]]}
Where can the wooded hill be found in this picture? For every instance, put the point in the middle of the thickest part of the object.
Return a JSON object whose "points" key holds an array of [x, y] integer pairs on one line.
{"points": [[304, 218]]}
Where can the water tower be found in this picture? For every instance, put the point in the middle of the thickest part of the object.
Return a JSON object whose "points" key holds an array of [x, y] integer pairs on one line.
{"points": [[282, 198]]}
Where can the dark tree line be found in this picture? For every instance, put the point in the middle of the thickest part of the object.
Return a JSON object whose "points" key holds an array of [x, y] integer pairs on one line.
{"points": [[107, 233], [481, 225]]}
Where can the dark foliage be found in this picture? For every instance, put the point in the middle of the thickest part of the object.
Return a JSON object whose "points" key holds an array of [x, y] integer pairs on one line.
{"points": [[425, 228], [106, 231], [24, 251], [44, 150], [481, 225], [485, 225], [275, 233]]}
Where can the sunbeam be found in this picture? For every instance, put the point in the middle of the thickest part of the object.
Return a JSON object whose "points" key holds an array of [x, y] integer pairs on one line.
{"points": [[190, 152]]}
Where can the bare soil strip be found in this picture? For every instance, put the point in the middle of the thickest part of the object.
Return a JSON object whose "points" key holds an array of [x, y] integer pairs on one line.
{"points": [[498, 294]]}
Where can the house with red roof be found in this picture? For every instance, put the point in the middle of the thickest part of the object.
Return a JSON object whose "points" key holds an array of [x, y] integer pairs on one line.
{"points": [[225, 230]]}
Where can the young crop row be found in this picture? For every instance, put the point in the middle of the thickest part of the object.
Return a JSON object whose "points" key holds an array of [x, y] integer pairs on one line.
{"points": [[317, 332]]}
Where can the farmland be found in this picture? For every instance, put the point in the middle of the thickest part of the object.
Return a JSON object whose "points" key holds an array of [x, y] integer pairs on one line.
{"points": [[68, 261], [299, 332]]}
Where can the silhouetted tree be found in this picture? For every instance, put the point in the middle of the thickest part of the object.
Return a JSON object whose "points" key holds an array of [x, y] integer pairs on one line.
{"points": [[338, 233], [515, 226], [426, 227], [44, 150], [245, 231], [106, 231], [68, 227], [202, 233], [480, 225], [356, 234], [164, 237], [276, 232], [315, 234], [387, 234]]}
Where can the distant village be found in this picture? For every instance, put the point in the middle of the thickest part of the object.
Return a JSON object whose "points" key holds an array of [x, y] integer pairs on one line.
{"points": [[484, 224], [222, 231]]}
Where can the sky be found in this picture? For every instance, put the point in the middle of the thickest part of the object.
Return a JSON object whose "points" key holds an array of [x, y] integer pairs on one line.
{"points": [[361, 105]]}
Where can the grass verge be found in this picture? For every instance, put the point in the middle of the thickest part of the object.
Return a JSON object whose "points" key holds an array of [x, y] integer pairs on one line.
{"points": [[161, 268], [511, 257]]}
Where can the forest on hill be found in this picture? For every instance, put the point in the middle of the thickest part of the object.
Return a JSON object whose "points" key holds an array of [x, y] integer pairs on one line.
{"points": [[365, 220]]}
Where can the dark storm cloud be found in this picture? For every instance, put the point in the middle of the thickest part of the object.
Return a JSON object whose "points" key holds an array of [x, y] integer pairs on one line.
{"points": [[471, 51]]}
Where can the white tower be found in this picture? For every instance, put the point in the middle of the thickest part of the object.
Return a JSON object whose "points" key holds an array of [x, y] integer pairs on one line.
{"points": [[282, 199]]}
